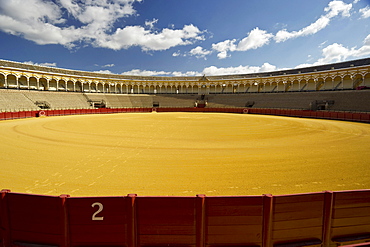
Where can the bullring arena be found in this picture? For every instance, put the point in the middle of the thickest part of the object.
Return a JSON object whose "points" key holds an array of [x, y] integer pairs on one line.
{"points": [[268, 159]]}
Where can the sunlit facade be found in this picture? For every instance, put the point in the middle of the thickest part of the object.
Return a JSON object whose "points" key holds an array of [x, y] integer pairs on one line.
{"points": [[340, 76]]}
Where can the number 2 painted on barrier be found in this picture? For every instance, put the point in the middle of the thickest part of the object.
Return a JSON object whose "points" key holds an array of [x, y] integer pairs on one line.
{"points": [[100, 208]]}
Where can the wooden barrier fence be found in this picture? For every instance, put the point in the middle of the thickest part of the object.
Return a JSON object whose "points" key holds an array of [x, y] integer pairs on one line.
{"points": [[346, 116], [320, 219]]}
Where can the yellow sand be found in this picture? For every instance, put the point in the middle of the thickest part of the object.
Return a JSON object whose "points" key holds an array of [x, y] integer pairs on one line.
{"points": [[182, 154]]}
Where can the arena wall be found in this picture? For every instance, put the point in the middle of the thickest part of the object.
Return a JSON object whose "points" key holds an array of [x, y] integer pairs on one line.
{"points": [[21, 100], [321, 219], [332, 115]]}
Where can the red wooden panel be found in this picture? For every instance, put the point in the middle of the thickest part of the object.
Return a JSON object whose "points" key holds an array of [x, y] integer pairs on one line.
{"points": [[348, 115], [98, 220], [356, 116], [327, 115], [2, 116], [166, 220], [52, 113], [36, 219], [34, 113], [295, 113], [251, 111], [22, 114], [365, 117], [297, 217], [341, 115], [320, 114], [2, 219], [15, 115], [351, 213], [28, 114], [8, 115], [303, 113], [313, 114], [234, 220], [333, 115], [292, 112]]}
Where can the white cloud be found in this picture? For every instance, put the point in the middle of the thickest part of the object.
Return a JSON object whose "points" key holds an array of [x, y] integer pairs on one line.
{"points": [[140, 72], [258, 38], [213, 70], [42, 22], [108, 65], [224, 47], [334, 8], [41, 64], [187, 73], [103, 71], [365, 12], [146, 73], [31, 11], [199, 52], [208, 71], [337, 53], [148, 40], [176, 54], [254, 39], [151, 23], [337, 7]]}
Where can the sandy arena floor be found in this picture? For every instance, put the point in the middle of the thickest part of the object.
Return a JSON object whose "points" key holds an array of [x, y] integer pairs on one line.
{"points": [[182, 154]]}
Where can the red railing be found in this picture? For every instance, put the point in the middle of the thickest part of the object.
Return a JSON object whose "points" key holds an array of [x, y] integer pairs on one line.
{"points": [[324, 218], [347, 116]]}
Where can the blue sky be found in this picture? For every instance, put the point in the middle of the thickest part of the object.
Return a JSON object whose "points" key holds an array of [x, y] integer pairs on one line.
{"points": [[183, 37]]}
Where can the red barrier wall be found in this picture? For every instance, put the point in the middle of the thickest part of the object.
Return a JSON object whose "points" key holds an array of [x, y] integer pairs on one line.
{"points": [[33, 219], [325, 218], [235, 221], [347, 116], [167, 221], [98, 221]]}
